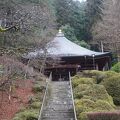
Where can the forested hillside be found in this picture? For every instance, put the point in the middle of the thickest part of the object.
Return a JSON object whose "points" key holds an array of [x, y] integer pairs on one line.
{"points": [[25, 25], [28, 25], [36, 21], [107, 30], [32, 23]]}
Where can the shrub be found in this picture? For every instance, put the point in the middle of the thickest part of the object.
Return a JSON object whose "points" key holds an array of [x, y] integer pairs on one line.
{"points": [[83, 116], [76, 77], [1, 70], [31, 114], [35, 105], [97, 75], [104, 116], [38, 88], [79, 90], [112, 86], [90, 73], [76, 82], [93, 92], [103, 105], [83, 106], [22, 109], [90, 95], [110, 74], [116, 67]]}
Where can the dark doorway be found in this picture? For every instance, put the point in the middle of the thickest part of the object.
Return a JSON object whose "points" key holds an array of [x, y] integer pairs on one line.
{"points": [[62, 74], [59, 76]]}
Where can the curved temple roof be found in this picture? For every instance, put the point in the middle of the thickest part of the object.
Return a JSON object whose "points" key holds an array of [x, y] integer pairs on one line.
{"points": [[62, 47]]}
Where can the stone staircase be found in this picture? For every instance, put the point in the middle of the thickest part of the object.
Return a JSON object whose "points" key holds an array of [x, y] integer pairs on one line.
{"points": [[59, 105]]}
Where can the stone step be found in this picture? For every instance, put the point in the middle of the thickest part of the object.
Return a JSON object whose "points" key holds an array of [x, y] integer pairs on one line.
{"points": [[59, 113], [57, 118], [59, 105], [58, 110]]}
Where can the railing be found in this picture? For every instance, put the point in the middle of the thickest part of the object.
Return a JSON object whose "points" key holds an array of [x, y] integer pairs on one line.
{"points": [[45, 97], [72, 96]]}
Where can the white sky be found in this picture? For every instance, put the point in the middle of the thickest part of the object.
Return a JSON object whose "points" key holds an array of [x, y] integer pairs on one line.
{"points": [[80, 0]]}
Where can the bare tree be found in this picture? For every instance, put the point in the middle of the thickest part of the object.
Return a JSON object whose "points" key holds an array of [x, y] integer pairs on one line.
{"points": [[35, 22], [107, 31]]}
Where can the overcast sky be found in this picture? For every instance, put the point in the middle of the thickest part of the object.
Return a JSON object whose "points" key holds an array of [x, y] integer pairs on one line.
{"points": [[81, 0]]}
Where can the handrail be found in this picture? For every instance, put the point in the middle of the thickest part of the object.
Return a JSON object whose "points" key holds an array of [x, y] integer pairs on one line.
{"points": [[45, 94], [72, 97]]}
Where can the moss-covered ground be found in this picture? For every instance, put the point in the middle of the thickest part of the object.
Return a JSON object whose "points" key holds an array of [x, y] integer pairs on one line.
{"points": [[96, 91]]}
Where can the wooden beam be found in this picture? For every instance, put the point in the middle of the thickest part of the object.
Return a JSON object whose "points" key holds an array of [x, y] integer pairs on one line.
{"points": [[63, 66]]}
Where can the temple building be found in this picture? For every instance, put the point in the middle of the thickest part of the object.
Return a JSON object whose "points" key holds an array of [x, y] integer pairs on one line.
{"points": [[72, 58]]}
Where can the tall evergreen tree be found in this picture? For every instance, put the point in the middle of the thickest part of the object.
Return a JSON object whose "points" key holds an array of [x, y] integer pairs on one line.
{"points": [[94, 11], [72, 13]]}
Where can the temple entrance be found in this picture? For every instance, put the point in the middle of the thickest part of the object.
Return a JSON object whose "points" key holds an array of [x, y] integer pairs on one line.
{"points": [[62, 74]]}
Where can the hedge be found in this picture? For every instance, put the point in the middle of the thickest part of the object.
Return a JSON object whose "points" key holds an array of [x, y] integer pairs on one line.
{"points": [[90, 95], [76, 82], [104, 116], [93, 92], [116, 67], [30, 114], [112, 86], [84, 106], [97, 75]]}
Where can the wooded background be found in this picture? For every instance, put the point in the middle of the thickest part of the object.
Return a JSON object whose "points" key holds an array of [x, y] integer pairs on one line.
{"points": [[33, 23]]}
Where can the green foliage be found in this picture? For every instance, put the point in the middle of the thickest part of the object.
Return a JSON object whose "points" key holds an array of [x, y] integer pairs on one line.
{"points": [[30, 114], [69, 32], [38, 88], [94, 92], [103, 105], [83, 44], [116, 67], [90, 96], [76, 77], [97, 75], [76, 82], [83, 106], [93, 14], [94, 11], [37, 98], [112, 85], [79, 90], [1, 69], [91, 73], [28, 16], [35, 105], [73, 13], [109, 74], [83, 116], [86, 87]]}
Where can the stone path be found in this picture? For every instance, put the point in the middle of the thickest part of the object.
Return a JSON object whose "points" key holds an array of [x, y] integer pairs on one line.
{"points": [[59, 105]]}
